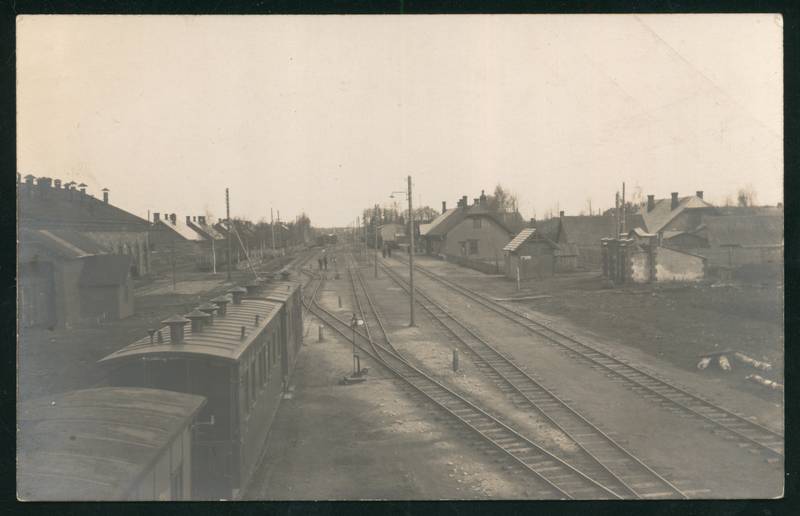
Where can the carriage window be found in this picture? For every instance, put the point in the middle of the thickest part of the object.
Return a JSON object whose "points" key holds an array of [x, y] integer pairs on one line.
{"points": [[264, 365], [252, 387]]}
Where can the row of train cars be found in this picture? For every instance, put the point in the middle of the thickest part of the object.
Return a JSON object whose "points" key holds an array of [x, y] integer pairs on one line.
{"points": [[186, 411]]}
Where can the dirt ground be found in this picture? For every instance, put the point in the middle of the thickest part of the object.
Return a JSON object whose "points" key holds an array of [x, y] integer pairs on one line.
{"points": [[370, 441], [675, 323], [703, 465]]}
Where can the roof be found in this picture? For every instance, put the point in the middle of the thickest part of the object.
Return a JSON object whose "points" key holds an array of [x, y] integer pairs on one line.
{"points": [[208, 231], [181, 228], [65, 243], [587, 230], [746, 230], [662, 213], [95, 444], [64, 208], [518, 240], [105, 269], [220, 340], [443, 223], [641, 233], [279, 291]]}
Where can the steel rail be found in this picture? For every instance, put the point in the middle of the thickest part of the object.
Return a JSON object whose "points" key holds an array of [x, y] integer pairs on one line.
{"points": [[737, 425], [629, 475], [562, 479]]}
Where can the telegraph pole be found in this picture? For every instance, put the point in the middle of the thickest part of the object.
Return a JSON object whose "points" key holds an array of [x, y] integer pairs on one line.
{"points": [[411, 250], [272, 229], [376, 240], [228, 220]]}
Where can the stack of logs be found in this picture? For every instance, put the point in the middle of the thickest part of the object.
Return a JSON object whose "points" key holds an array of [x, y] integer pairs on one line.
{"points": [[725, 364]]}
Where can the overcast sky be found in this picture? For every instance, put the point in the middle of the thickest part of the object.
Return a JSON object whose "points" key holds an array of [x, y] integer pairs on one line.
{"points": [[328, 114]]}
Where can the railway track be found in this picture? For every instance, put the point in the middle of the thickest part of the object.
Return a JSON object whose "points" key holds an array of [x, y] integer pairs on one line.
{"points": [[554, 477], [599, 455], [749, 433]]}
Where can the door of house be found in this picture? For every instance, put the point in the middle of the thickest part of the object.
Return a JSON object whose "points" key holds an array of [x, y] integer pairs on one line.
{"points": [[37, 296]]}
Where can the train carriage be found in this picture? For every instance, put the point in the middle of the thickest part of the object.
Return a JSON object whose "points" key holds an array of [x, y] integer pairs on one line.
{"points": [[236, 354]]}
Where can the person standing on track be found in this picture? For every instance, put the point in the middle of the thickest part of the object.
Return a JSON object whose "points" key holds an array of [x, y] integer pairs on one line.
{"points": [[325, 262]]}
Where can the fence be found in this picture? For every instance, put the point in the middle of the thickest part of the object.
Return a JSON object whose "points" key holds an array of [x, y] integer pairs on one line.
{"points": [[484, 267]]}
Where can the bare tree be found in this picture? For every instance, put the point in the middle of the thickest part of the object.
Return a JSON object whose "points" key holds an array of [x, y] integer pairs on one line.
{"points": [[746, 196], [502, 201]]}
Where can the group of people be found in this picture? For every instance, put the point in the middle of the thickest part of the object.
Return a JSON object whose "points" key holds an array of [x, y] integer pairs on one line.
{"points": [[323, 262]]}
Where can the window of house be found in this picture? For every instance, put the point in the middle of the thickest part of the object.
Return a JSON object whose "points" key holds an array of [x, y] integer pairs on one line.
{"points": [[473, 247], [476, 223]]}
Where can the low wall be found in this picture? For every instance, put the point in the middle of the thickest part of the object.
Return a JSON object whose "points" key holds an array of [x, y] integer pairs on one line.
{"points": [[674, 265], [484, 267]]}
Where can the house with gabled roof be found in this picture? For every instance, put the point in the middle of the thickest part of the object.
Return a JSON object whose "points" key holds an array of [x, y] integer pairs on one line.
{"points": [[676, 220], [467, 232], [52, 205], [736, 240]]}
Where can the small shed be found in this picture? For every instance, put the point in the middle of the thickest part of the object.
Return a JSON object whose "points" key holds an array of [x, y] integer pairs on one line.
{"points": [[106, 287], [106, 444], [531, 255]]}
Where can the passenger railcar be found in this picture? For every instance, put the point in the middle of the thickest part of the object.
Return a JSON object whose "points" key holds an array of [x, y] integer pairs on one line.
{"points": [[106, 444], [237, 354]]}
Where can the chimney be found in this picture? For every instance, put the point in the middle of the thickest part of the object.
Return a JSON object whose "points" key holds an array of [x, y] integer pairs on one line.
{"points": [[197, 318], [476, 201], [561, 214], [237, 293], [173, 218], [532, 223], [252, 288], [651, 203], [444, 206], [674, 200], [156, 215], [464, 201], [209, 309], [29, 179], [188, 219], [176, 324], [483, 198], [57, 184], [699, 193], [82, 188], [222, 304]]}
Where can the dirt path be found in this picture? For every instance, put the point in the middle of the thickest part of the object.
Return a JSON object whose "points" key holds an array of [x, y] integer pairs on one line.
{"points": [[369, 441]]}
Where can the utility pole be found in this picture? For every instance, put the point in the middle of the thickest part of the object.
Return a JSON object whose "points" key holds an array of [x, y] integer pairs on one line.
{"points": [[376, 240], [172, 256], [272, 229], [411, 250], [228, 221], [623, 207]]}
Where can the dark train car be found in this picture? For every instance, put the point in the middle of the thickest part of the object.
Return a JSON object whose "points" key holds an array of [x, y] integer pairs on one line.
{"points": [[289, 295], [237, 359], [328, 239]]}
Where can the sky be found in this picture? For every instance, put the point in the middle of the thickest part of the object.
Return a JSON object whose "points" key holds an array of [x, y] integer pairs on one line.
{"points": [[328, 115]]}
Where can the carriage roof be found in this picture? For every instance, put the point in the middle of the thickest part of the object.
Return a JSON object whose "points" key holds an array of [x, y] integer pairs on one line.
{"points": [[221, 340]]}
